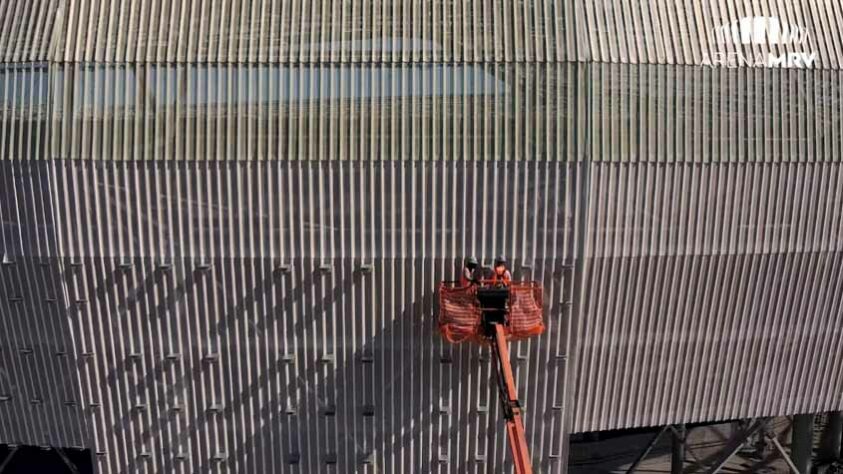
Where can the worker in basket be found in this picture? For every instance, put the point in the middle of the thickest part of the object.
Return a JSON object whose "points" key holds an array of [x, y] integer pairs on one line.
{"points": [[501, 275], [469, 272]]}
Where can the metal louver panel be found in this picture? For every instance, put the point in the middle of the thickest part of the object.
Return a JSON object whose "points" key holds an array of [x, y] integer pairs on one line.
{"points": [[657, 113], [301, 31], [24, 106], [691, 32], [685, 32], [710, 292], [40, 402], [26, 30], [223, 222], [438, 112], [368, 112], [221, 329]]}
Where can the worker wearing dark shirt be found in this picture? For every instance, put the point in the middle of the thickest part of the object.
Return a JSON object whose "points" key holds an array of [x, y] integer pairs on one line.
{"points": [[501, 274], [469, 271]]}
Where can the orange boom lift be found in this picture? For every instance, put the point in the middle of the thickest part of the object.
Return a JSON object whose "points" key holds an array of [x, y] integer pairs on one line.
{"points": [[491, 314]]}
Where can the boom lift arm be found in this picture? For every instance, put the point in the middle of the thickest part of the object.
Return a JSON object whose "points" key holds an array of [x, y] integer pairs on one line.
{"points": [[511, 406], [490, 314]]}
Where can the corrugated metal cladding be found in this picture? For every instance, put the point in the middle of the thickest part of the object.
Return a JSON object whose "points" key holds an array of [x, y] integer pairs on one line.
{"points": [[297, 31], [39, 383], [421, 112], [381, 31], [223, 224], [710, 292], [322, 112], [223, 316]]}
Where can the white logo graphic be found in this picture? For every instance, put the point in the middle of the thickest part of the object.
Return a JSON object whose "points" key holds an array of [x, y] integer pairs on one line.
{"points": [[760, 30], [743, 33]]}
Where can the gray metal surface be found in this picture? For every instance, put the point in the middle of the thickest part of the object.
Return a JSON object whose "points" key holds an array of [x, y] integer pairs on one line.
{"points": [[220, 314], [420, 112], [27, 30], [710, 292], [377, 31], [323, 112], [296, 31], [194, 194], [187, 325], [685, 31], [39, 383]]}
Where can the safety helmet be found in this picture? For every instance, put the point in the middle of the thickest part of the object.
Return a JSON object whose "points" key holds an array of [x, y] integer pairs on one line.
{"points": [[471, 262], [501, 260]]}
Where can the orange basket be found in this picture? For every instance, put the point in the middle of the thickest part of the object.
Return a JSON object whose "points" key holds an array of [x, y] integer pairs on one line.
{"points": [[460, 315]]}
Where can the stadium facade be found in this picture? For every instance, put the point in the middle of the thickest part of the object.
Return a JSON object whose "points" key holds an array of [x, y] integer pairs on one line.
{"points": [[223, 223]]}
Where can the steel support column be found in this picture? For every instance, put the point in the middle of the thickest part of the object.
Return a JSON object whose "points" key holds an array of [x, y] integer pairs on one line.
{"points": [[67, 462], [802, 442], [832, 438], [734, 445], [8, 459], [677, 458], [647, 450], [783, 453]]}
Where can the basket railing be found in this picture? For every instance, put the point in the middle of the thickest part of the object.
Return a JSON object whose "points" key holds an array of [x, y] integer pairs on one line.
{"points": [[460, 315]]}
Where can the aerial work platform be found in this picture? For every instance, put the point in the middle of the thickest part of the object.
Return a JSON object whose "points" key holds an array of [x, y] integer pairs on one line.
{"points": [[461, 311], [491, 313]]}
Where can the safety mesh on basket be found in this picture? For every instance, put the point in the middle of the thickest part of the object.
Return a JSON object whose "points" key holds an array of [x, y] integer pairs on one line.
{"points": [[525, 310], [460, 315]]}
